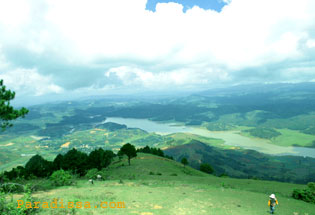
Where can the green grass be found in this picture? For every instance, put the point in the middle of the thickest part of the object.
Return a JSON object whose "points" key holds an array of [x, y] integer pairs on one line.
{"points": [[185, 138], [288, 138], [190, 192], [292, 137]]}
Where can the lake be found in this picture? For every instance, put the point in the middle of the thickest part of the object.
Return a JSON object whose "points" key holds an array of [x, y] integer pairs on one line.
{"points": [[232, 138]]}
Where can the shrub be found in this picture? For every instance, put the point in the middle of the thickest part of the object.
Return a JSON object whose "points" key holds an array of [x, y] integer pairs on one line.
{"points": [[8, 205], [184, 161], [206, 168], [307, 195], [92, 174], [61, 178], [11, 188], [224, 175], [151, 173]]}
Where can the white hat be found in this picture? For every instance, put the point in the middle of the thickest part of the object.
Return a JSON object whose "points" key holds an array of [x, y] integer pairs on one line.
{"points": [[272, 196]]}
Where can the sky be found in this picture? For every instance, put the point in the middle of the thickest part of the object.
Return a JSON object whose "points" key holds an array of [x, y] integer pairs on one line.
{"points": [[54, 49]]}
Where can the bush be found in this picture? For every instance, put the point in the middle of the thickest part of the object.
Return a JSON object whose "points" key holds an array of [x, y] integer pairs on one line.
{"points": [[307, 195], [61, 178], [11, 188], [8, 205], [92, 174], [206, 168]]}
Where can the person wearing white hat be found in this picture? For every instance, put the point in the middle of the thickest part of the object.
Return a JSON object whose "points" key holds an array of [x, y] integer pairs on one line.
{"points": [[272, 203]]}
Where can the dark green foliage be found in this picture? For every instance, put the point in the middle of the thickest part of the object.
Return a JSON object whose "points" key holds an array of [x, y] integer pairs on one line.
{"points": [[7, 112], [207, 168], [310, 131], [128, 150], [266, 133], [154, 151], [61, 178], [307, 195], [184, 161], [18, 172], [149, 150], [58, 162], [100, 159], [169, 157], [38, 167], [111, 126], [75, 161]]}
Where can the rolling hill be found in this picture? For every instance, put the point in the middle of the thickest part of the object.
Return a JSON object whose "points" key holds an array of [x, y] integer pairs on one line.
{"points": [[155, 185]]}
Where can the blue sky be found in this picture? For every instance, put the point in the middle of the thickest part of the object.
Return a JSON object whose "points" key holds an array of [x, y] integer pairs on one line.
{"points": [[205, 4], [75, 48]]}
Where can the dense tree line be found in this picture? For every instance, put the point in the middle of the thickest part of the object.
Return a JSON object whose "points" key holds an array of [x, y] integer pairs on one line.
{"points": [[74, 161], [154, 151]]}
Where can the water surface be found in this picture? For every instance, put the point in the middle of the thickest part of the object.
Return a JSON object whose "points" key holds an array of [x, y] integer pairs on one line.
{"points": [[232, 138]]}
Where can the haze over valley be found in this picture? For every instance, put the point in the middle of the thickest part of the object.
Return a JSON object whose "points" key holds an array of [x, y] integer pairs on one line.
{"points": [[168, 107]]}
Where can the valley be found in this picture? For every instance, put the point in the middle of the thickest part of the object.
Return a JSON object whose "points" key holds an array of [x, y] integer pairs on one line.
{"points": [[219, 121]]}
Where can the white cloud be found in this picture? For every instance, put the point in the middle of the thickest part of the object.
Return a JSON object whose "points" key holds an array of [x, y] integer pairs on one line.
{"points": [[29, 82], [3, 61], [163, 48], [227, 1], [14, 13], [177, 78], [310, 43]]}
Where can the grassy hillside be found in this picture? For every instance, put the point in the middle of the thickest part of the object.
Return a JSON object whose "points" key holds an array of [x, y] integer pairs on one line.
{"points": [[172, 189]]}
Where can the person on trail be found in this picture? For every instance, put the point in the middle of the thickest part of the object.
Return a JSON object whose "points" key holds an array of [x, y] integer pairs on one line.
{"points": [[272, 203]]}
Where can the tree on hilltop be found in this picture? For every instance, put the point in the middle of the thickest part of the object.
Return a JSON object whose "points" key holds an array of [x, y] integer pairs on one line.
{"points": [[99, 158], [38, 167], [128, 150]]}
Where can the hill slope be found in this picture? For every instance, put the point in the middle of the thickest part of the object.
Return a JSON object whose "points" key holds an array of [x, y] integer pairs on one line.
{"points": [[174, 189]]}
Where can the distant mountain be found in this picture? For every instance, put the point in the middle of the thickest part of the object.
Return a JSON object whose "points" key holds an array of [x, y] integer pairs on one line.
{"points": [[287, 88], [246, 163]]}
